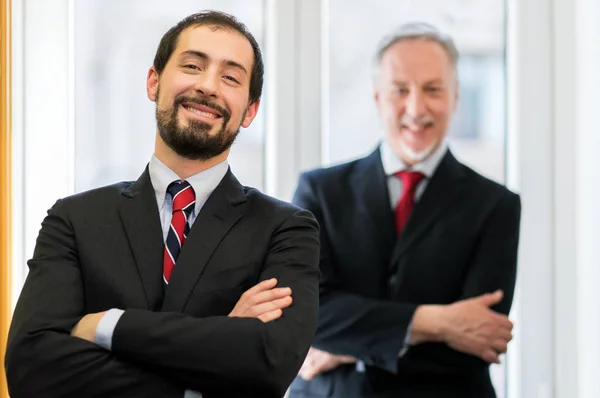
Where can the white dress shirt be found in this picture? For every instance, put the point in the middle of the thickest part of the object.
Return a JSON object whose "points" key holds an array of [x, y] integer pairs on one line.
{"points": [[393, 164]]}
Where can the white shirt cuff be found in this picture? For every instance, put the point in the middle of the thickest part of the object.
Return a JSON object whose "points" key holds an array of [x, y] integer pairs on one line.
{"points": [[106, 328]]}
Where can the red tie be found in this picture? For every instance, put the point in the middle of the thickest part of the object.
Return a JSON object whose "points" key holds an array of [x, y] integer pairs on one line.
{"points": [[410, 181], [184, 200]]}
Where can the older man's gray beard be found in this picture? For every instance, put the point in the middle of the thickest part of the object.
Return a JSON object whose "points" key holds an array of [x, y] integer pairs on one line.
{"points": [[412, 155], [194, 141], [417, 156]]}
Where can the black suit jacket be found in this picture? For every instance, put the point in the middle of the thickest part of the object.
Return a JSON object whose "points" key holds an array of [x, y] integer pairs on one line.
{"points": [[103, 249], [460, 241]]}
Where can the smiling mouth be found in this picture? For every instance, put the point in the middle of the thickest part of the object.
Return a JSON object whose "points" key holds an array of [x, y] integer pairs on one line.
{"points": [[417, 128], [203, 111]]}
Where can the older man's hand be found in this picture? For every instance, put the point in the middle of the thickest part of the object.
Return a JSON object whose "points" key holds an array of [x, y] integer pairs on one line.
{"points": [[318, 362]]}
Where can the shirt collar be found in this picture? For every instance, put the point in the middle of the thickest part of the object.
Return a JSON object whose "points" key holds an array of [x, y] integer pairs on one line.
{"points": [[393, 164], [204, 183]]}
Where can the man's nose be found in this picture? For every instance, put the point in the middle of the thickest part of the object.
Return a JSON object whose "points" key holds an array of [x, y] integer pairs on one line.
{"points": [[207, 84], [415, 105]]}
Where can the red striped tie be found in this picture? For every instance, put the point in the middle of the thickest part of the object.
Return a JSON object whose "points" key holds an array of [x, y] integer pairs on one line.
{"points": [[184, 200]]}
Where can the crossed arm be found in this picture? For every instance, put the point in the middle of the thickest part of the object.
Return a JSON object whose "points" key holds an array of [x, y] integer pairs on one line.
{"points": [[353, 327], [254, 348]]}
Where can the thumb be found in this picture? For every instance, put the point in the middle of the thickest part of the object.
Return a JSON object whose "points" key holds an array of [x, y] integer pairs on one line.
{"points": [[490, 299]]}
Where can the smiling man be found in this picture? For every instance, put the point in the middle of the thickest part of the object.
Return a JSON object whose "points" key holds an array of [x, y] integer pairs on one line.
{"points": [[418, 251], [183, 283]]}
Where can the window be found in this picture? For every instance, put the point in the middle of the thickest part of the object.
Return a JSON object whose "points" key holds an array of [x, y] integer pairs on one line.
{"points": [[477, 134]]}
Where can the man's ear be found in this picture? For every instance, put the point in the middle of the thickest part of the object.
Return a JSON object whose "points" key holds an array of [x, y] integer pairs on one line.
{"points": [[152, 84], [250, 113]]}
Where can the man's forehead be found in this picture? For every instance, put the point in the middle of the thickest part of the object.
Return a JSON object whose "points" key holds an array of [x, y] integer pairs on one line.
{"points": [[220, 43], [416, 50], [427, 62]]}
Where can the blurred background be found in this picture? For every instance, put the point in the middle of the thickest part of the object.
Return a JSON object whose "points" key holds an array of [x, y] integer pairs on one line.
{"points": [[526, 118]]}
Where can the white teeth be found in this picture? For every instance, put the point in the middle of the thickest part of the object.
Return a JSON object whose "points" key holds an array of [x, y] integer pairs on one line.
{"points": [[415, 128], [199, 112]]}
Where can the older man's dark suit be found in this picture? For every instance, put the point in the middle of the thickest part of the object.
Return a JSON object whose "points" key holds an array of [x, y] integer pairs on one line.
{"points": [[104, 249], [461, 241]]}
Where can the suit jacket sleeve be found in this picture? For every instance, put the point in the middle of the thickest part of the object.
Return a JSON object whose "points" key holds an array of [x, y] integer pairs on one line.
{"points": [[365, 328], [493, 266], [42, 358], [221, 356]]}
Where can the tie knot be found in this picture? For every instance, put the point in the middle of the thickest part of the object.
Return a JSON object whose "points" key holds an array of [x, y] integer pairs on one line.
{"points": [[410, 179], [183, 196]]}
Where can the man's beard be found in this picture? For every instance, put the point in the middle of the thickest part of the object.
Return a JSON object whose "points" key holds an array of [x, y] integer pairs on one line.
{"points": [[412, 155], [194, 141]]}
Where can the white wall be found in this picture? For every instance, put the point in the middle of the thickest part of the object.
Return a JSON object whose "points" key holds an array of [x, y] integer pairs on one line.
{"points": [[530, 131], [553, 161], [587, 193]]}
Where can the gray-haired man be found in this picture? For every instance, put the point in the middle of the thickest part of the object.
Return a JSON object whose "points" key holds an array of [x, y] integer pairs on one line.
{"points": [[418, 252]]}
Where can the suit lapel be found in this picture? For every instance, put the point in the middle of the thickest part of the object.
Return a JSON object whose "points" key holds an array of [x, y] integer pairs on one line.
{"points": [[369, 184], [224, 207], [141, 221], [443, 189]]}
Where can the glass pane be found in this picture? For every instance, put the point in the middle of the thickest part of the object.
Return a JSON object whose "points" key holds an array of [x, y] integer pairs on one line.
{"points": [[115, 43], [477, 136], [477, 26]]}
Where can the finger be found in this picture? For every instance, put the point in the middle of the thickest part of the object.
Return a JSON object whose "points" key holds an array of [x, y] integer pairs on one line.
{"points": [[490, 356], [247, 302], [311, 352], [270, 295], [503, 334], [321, 363], [310, 367], [316, 351], [329, 362], [270, 316], [345, 359], [490, 299], [502, 321], [303, 369], [307, 374], [257, 310], [264, 285], [500, 346]]}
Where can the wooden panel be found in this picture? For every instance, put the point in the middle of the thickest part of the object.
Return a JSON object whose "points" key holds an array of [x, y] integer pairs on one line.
{"points": [[5, 183]]}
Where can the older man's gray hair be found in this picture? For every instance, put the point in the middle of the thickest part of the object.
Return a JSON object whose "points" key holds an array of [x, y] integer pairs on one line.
{"points": [[416, 31]]}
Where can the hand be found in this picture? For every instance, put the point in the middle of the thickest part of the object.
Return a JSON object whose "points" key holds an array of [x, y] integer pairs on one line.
{"points": [[471, 327], [317, 362], [263, 301], [86, 327]]}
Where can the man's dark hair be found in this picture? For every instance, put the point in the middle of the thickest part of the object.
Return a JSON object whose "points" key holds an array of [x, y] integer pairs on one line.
{"points": [[219, 20]]}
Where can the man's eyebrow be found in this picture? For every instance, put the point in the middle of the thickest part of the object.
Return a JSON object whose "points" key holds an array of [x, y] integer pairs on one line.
{"points": [[206, 57]]}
